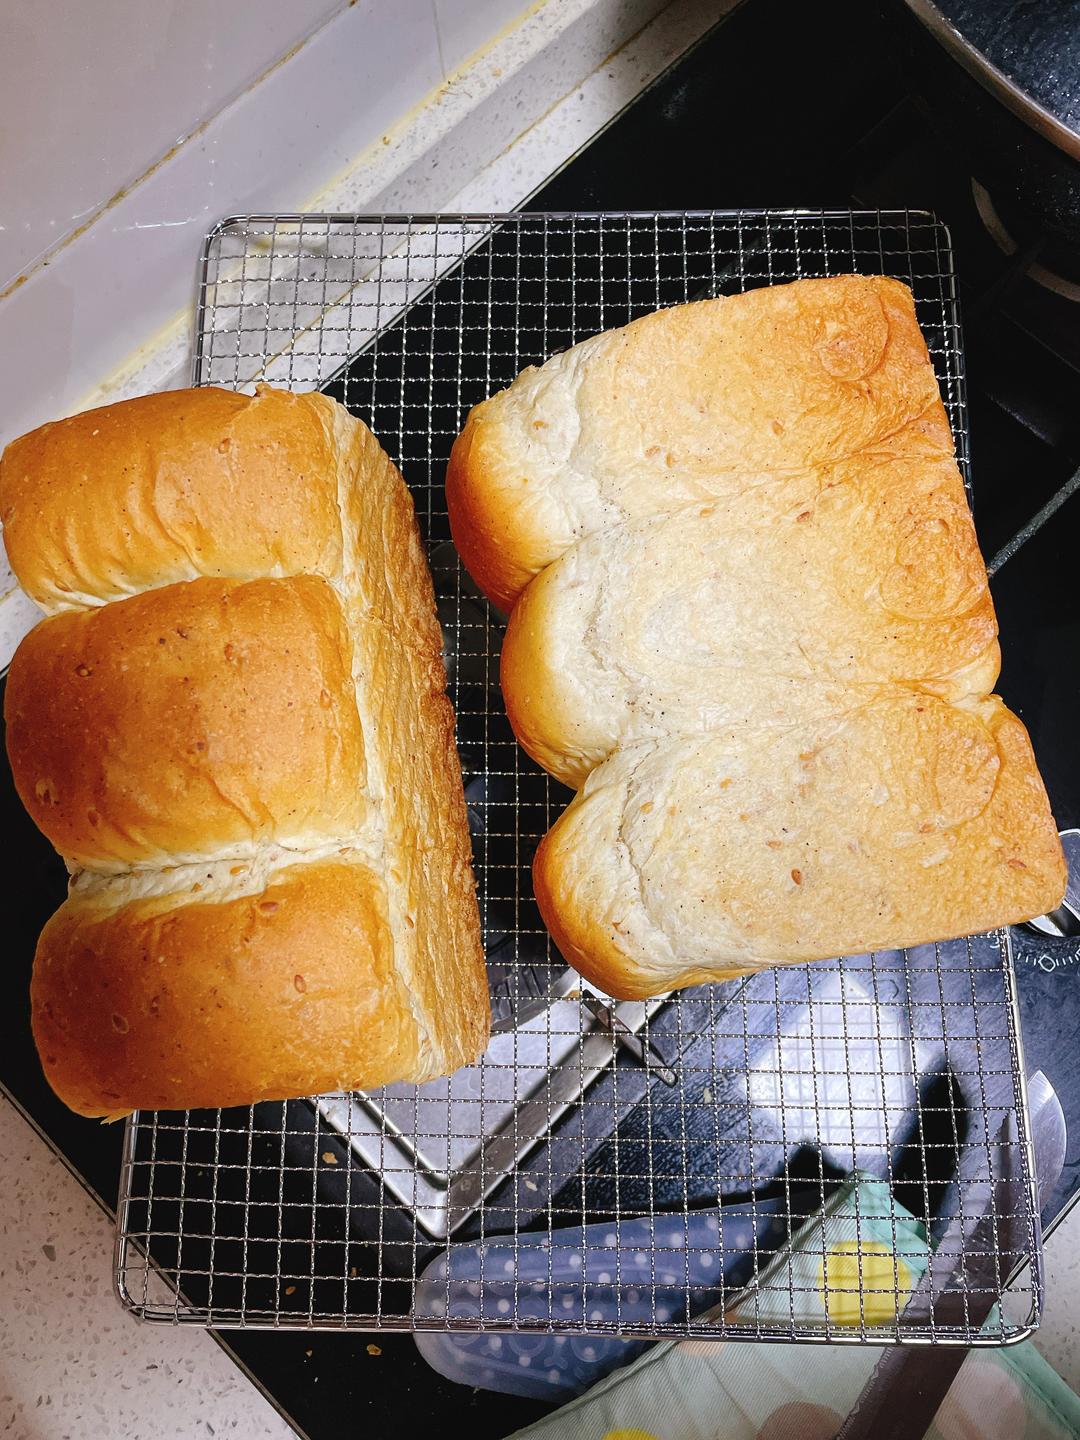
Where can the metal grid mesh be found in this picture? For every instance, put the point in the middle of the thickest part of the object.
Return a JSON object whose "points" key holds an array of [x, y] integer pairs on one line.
{"points": [[901, 1065]]}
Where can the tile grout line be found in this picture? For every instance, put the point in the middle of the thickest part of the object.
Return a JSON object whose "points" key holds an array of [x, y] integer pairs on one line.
{"points": [[197, 129]]}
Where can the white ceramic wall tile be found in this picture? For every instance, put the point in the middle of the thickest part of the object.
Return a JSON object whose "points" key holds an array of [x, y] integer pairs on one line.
{"points": [[490, 137], [71, 1362], [465, 26], [104, 294], [91, 95], [448, 141]]}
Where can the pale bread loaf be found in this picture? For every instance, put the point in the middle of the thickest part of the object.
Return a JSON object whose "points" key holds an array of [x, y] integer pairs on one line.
{"points": [[750, 617], [233, 726]]}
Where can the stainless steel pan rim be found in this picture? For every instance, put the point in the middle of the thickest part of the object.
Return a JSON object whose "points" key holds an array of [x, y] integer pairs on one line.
{"points": [[1017, 100]]}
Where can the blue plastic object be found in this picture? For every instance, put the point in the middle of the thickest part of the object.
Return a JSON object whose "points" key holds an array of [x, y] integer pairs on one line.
{"points": [[661, 1268]]}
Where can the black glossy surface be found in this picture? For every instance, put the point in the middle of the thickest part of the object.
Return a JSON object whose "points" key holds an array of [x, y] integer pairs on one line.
{"points": [[769, 110], [1031, 170], [36, 886], [1039, 609], [1035, 45]]}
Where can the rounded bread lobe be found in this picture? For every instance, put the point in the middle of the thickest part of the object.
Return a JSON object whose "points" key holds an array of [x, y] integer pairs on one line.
{"points": [[201, 718], [180, 1003], [683, 405], [170, 487], [698, 859], [683, 623]]}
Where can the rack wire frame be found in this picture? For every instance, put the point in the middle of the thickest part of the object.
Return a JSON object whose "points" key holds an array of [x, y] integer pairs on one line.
{"points": [[906, 1065]]}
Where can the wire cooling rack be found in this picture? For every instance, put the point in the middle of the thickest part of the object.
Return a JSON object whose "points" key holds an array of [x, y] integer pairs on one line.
{"points": [[693, 1137]]}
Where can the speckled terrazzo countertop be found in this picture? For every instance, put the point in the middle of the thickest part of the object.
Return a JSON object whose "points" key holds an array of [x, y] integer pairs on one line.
{"points": [[72, 1364]]}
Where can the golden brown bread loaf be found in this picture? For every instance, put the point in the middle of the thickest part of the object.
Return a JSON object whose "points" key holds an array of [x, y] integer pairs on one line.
{"points": [[232, 724], [751, 625]]}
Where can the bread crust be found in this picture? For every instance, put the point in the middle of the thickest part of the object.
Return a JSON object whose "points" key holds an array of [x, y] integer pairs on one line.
{"points": [[750, 624], [202, 718], [240, 688], [693, 860], [180, 1002], [170, 487], [684, 405], [684, 622]]}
